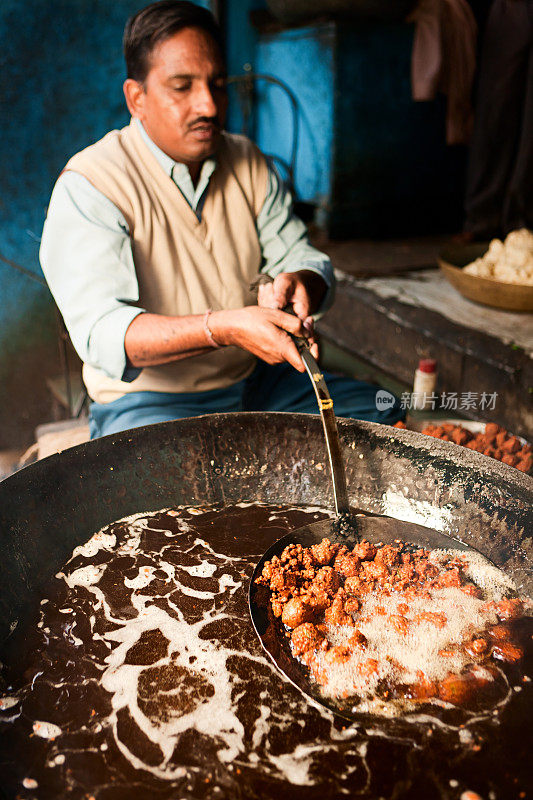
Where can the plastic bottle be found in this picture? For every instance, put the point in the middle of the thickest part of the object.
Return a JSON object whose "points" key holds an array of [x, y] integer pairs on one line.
{"points": [[424, 384]]}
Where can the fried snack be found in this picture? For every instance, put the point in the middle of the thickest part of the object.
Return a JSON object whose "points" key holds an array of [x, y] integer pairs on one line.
{"points": [[495, 442], [395, 622], [510, 261]]}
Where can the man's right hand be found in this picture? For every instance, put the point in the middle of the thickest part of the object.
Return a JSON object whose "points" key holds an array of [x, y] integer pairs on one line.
{"points": [[264, 332]]}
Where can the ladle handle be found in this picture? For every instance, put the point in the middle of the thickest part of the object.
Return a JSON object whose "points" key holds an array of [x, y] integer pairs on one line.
{"points": [[325, 405], [327, 413]]}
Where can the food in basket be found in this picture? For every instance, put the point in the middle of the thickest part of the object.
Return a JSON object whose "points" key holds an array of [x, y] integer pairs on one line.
{"points": [[510, 261]]}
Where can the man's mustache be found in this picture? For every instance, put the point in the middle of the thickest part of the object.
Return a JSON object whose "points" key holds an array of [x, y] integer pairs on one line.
{"points": [[205, 121]]}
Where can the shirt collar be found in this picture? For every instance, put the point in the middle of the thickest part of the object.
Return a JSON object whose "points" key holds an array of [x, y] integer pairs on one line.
{"points": [[178, 171]]}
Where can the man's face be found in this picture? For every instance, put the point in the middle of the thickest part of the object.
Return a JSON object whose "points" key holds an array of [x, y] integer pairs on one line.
{"points": [[182, 104]]}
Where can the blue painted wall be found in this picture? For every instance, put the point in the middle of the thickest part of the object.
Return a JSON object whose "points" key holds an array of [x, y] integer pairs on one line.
{"points": [[293, 56], [373, 161], [241, 36], [241, 41], [60, 89]]}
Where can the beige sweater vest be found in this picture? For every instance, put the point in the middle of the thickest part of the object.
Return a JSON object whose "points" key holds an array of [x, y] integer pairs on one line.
{"points": [[183, 266]]}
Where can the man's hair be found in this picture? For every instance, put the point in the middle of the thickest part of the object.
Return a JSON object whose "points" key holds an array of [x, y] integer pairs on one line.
{"points": [[157, 22]]}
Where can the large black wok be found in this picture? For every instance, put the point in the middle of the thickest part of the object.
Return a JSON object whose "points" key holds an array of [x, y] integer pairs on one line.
{"points": [[50, 507]]}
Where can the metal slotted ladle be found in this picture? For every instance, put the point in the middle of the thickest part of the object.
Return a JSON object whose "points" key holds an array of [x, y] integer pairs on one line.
{"points": [[348, 527]]}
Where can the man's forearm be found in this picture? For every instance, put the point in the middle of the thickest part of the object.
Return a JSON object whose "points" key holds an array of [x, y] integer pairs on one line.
{"points": [[153, 339]]}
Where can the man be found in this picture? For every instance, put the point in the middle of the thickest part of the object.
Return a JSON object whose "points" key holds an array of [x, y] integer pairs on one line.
{"points": [[154, 235]]}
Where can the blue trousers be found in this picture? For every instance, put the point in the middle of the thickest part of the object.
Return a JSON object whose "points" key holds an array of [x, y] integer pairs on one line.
{"points": [[276, 387]]}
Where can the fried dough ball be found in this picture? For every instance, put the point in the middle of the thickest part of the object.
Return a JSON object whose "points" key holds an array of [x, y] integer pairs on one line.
{"points": [[462, 689], [373, 570], [364, 550], [525, 463], [437, 619], [460, 436], [406, 571], [353, 585], [277, 606], [347, 564], [281, 581], [422, 689], [351, 605], [399, 623], [326, 580], [296, 612], [512, 445], [324, 552], [477, 647], [317, 598], [425, 570], [268, 570], [510, 609], [335, 614], [387, 555], [368, 667], [306, 637], [456, 689], [451, 578], [507, 651]]}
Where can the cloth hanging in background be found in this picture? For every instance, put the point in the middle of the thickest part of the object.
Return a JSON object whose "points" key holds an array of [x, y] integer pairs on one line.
{"points": [[499, 184], [444, 60]]}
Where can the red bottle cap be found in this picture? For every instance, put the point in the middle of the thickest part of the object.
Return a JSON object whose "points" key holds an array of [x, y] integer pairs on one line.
{"points": [[427, 365]]}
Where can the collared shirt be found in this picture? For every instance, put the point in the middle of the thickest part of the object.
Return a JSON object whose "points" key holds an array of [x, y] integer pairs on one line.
{"points": [[194, 195], [87, 259]]}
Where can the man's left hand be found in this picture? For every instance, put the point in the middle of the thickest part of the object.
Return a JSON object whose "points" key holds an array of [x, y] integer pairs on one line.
{"points": [[303, 290]]}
